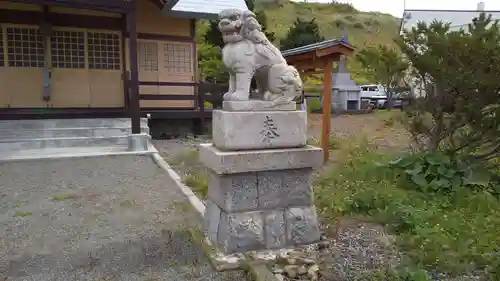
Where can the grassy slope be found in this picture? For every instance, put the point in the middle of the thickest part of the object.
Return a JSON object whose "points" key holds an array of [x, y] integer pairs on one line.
{"points": [[363, 28]]}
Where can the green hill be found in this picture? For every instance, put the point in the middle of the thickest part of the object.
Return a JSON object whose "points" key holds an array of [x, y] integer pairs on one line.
{"points": [[363, 28]]}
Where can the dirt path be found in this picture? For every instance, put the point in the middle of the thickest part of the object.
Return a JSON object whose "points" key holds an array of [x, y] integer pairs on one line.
{"points": [[102, 218], [373, 127]]}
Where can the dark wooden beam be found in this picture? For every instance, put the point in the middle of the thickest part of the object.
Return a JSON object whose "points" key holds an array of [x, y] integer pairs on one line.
{"points": [[167, 83], [305, 56], [164, 37], [107, 5], [56, 19], [125, 73], [61, 113], [168, 97], [133, 87]]}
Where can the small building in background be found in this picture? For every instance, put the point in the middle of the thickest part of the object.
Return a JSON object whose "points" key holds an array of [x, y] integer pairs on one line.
{"points": [[457, 18], [346, 94]]}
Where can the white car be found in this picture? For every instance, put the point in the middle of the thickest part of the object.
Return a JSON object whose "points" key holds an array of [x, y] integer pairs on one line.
{"points": [[372, 90], [377, 95]]}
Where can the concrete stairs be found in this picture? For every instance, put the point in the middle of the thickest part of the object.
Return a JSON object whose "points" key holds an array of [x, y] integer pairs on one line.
{"points": [[58, 138]]}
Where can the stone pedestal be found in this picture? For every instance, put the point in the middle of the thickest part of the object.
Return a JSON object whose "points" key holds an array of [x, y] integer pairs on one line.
{"points": [[244, 130], [260, 194]]}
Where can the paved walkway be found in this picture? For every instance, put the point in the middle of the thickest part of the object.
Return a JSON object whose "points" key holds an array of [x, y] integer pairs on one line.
{"points": [[102, 218]]}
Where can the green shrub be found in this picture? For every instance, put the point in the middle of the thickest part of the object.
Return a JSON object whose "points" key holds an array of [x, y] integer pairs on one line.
{"points": [[207, 104], [314, 105], [359, 25], [436, 172], [340, 23]]}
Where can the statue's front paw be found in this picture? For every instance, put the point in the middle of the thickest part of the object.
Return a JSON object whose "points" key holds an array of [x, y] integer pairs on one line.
{"points": [[237, 96], [227, 96], [267, 96]]}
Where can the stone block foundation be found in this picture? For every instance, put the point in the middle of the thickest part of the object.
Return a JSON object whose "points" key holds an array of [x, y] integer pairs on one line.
{"points": [[266, 209]]}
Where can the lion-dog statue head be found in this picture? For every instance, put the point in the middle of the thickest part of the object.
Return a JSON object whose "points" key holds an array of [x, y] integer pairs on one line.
{"points": [[236, 25]]}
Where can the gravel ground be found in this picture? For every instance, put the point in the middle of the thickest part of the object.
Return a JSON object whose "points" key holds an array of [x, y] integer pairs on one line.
{"points": [[102, 218], [356, 250]]}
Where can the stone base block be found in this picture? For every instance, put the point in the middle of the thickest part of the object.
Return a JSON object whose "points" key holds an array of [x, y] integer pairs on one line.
{"points": [[261, 190], [257, 105], [231, 162], [259, 230], [243, 130]]}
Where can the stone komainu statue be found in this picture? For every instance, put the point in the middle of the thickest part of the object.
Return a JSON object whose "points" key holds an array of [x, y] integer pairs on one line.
{"points": [[247, 53]]}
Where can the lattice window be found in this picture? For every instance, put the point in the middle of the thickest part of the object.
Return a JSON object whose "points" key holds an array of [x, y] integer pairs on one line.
{"points": [[68, 49], [2, 62], [148, 56], [177, 58], [104, 50], [25, 47]]}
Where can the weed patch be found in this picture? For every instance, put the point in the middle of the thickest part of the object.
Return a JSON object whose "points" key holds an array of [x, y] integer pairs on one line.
{"points": [[197, 180], [22, 214], [127, 203], [188, 157]]}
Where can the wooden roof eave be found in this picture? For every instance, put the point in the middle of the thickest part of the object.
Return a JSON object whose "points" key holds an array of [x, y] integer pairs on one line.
{"points": [[317, 59], [336, 51], [308, 65]]}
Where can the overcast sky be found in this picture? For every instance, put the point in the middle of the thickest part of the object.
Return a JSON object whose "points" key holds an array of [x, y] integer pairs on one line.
{"points": [[395, 7]]}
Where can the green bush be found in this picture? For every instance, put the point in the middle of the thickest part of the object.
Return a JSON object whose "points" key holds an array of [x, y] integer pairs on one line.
{"points": [[314, 105], [207, 104], [436, 172], [359, 25]]}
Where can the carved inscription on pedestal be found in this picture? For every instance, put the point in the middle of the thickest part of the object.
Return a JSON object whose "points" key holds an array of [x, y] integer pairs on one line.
{"points": [[270, 130]]}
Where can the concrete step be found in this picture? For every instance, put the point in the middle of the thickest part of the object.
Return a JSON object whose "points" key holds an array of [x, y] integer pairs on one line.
{"points": [[89, 132], [68, 152], [68, 123], [66, 142]]}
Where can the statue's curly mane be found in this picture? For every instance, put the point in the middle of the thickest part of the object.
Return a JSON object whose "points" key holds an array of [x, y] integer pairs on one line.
{"points": [[251, 29]]}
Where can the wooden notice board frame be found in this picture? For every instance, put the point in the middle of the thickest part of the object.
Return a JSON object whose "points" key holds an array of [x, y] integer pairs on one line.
{"points": [[319, 58]]}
